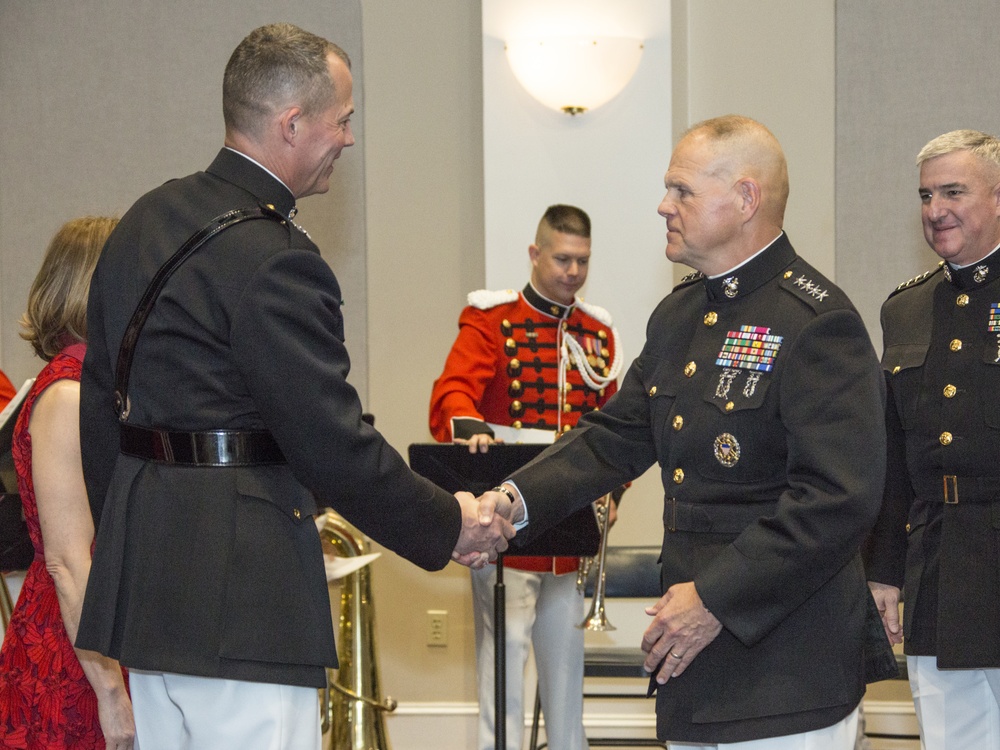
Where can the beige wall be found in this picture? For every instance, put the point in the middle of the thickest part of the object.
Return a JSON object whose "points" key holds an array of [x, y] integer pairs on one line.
{"points": [[905, 74], [424, 204], [106, 100], [772, 60]]}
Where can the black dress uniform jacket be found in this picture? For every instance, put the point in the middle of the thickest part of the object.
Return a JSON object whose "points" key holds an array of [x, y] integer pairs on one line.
{"points": [[218, 571], [759, 395], [940, 519]]}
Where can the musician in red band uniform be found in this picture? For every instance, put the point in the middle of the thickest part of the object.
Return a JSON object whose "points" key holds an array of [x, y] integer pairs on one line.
{"points": [[7, 390], [534, 360]]}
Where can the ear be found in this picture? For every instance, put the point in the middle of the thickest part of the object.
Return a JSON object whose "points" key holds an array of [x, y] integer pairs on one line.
{"points": [[533, 252], [289, 122], [750, 198]]}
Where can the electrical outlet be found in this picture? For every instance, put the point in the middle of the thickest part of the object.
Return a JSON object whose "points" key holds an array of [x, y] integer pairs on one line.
{"points": [[437, 627]]}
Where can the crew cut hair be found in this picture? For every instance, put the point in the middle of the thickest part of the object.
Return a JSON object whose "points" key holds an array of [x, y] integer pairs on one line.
{"points": [[273, 67], [565, 219]]}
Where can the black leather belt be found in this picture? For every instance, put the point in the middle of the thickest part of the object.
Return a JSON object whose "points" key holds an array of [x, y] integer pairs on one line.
{"points": [[214, 448]]}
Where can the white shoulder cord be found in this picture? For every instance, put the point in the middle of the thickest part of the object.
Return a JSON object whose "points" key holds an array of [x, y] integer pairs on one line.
{"points": [[589, 375]]}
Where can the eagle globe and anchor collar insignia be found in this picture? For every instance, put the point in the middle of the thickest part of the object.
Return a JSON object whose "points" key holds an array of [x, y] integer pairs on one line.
{"points": [[731, 286]]}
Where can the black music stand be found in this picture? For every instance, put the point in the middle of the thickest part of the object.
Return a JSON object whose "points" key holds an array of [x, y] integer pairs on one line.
{"points": [[455, 469]]}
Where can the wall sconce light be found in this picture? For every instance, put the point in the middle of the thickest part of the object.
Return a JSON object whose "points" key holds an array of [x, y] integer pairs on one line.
{"points": [[574, 74]]}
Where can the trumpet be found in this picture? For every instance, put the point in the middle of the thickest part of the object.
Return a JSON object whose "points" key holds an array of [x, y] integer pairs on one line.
{"points": [[596, 619], [352, 712]]}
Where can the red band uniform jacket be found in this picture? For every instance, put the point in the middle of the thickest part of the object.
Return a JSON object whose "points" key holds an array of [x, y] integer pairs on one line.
{"points": [[525, 361], [760, 397]]}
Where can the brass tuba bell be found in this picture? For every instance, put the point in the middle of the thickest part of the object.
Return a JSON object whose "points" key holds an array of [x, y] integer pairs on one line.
{"points": [[352, 712]]}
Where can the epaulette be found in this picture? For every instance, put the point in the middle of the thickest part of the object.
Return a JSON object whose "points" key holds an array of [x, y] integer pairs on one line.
{"points": [[917, 280], [597, 312], [484, 299], [805, 287], [690, 279]]}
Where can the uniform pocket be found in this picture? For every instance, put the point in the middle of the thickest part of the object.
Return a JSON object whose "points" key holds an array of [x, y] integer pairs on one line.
{"points": [[661, 381], [279, 488], [904, 364], [990, 403], [276, 602], [736, 389]]}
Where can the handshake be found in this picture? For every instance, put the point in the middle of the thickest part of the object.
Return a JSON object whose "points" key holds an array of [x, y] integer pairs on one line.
{"points": [[487, 525]]}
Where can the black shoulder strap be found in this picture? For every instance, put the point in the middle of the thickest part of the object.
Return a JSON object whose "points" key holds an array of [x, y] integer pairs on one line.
{"points": [[142, 311]]}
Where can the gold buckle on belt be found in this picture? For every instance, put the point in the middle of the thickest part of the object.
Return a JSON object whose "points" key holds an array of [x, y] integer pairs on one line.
{"points": [[950, 489]]}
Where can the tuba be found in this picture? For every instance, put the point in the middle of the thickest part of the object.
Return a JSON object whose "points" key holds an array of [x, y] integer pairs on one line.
{"points": [[596, 619], [351, 710]]}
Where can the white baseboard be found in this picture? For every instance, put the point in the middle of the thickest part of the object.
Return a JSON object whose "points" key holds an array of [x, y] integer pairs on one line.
{"points": [[453, 726]]}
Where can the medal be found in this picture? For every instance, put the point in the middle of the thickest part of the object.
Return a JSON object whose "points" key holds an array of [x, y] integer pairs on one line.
{"points": [[727, 450]]}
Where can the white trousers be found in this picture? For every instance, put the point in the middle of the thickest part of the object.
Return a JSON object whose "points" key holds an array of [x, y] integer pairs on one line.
{"points": [[182, 712], [958, 709], [542, 609], [840, 736]]}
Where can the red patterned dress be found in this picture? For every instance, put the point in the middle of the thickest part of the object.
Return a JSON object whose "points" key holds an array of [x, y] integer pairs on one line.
{"points": [[46, 701]]}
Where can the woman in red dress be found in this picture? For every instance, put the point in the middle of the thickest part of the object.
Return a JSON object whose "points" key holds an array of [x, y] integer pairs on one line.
{"points": [[52, 695]]}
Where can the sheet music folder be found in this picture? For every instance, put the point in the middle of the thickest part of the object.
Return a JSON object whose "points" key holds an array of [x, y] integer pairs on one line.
{"points": [[452, 467]]}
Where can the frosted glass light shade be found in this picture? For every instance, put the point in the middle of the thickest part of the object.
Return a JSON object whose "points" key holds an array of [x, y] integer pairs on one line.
{"points": [[574, 74]]}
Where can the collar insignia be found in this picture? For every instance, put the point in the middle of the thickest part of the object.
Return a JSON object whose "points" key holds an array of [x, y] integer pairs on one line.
{"points": [[730, 286]]}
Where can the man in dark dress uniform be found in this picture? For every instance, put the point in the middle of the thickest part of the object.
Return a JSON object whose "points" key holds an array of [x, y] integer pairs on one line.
{"points": [[208, 579], [937, 537], [758, 393]]}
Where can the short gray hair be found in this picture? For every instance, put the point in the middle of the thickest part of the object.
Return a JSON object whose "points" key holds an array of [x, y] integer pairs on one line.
{"points": [[274, 66], [983, 145]]}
